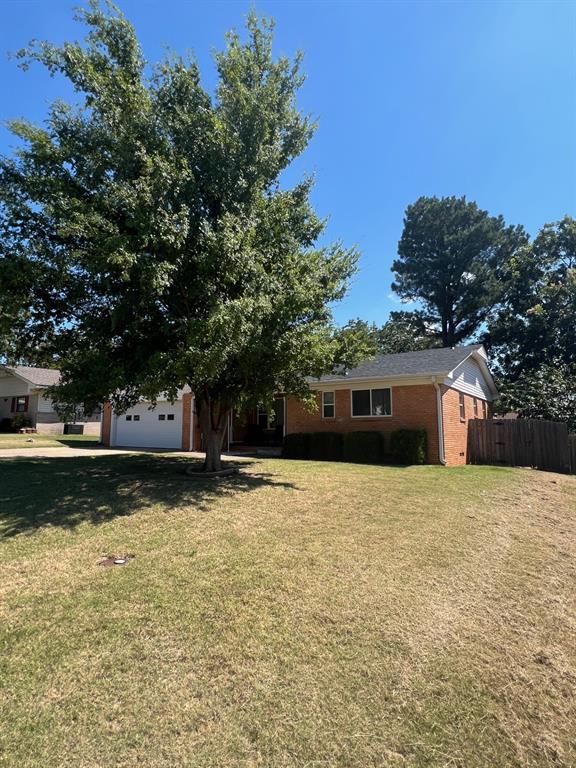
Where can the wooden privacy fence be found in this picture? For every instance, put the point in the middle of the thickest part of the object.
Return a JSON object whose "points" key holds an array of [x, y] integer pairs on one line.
{"points": [[521, 443]]}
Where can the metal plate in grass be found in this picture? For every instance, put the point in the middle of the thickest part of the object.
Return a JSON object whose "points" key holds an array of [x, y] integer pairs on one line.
{"points": [[109, 561]]}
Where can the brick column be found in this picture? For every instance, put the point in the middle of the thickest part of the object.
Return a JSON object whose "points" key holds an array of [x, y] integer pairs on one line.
{"points": [[186, 420], [106, 424]]}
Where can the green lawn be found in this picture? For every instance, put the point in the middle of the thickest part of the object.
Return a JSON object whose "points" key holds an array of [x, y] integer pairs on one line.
{"points": [[45, 441], [301, 614]]}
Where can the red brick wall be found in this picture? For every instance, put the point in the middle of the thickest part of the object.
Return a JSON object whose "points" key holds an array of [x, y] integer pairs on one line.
{"points": [[106, 424], [186, 420], [413, 407], [455, 430]]}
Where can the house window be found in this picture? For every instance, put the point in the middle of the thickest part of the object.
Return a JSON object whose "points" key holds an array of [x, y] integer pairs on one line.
{"points": [[128, 418], [162, 417], [462, 407], [371, 402], [475, 408], [484, 409], [170, 417], [136, 418], [328, 411], [20, 404]]}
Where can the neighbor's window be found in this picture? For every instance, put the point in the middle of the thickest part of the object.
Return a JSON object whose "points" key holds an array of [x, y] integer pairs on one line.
{"points": [[162, 417], [372, 402], [484, 409], [21, 405], [128, 418], [136, 418], [475, 408], [462, 407], [170, 417], [327, 405]]}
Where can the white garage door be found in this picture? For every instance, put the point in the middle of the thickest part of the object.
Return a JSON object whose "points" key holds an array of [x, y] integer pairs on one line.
{"points": [[160, 428]]}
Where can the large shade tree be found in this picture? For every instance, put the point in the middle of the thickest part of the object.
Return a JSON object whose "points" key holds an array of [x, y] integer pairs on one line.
{"points": [[165, 250], [449, 256], [535, 321], [532, 333]]}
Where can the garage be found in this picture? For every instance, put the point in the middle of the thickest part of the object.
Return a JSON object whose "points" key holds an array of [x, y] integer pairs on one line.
{"points": [[141, 427]]}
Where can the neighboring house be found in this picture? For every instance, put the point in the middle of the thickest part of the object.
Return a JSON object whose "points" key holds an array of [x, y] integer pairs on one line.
{"points": [[438, 390], [23, 393]]}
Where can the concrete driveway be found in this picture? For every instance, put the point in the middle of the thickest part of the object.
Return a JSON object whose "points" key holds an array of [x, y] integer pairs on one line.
{"points": [[66, 452]]}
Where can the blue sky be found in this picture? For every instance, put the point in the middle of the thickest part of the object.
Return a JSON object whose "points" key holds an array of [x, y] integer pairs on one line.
{"points": [[412, 98]]}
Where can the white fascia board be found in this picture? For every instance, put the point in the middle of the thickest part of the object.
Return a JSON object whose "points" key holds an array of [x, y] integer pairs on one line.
{"points": [[388, 381]]}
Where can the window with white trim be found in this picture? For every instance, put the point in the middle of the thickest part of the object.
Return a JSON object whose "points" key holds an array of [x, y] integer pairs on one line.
{"points": [[328, 408], [372, 402], [475, 408], [20, 404], [462, 404]]}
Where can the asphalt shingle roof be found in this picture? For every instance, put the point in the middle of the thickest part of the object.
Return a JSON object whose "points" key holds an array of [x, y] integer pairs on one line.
{"points": [[40, 377], [427, 362]]}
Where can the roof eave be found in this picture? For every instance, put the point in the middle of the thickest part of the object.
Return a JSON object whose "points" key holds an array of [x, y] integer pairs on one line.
{"points": [[391, 377]]}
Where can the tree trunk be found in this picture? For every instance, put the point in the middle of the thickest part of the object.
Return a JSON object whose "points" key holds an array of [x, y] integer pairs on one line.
{"points": [[445, 331], [451, 334], [213, 448], [213, 420]]}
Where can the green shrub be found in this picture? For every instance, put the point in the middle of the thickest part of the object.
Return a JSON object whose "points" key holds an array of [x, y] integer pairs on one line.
{"points": [[6, 424], [364, 447], [19, 422], [296, 446], [326, 446], [408, 446]]}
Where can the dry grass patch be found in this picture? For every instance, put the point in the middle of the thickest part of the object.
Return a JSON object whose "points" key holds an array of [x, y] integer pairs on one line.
{"points": [[301, 614]]}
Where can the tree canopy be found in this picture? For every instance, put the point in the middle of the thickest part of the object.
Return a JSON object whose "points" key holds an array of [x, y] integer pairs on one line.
{"points": [[161, 247], [450, 253], [535, 321], [406, 332]]}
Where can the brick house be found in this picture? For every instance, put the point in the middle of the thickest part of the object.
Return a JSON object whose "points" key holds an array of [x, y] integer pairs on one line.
{"points": [[437, 389]]}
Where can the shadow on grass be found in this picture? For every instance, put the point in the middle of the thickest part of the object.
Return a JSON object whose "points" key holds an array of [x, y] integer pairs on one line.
{"points": [[65, 492], [87, 443]]}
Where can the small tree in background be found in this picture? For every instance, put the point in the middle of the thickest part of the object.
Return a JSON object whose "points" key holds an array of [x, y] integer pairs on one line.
{"points": [[449, 256], [174, 256], [357, 340], [547, 392], [402, 332], [406, 332]]}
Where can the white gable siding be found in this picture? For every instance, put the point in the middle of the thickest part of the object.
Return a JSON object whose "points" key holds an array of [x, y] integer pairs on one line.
{"points": [[45, 405], [11, 386], [468, 378]]}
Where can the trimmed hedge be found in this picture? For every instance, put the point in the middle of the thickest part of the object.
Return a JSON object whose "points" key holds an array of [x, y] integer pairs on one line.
{"points": [[296, 446], [408, 446], [364, 447], [326, 446]]}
